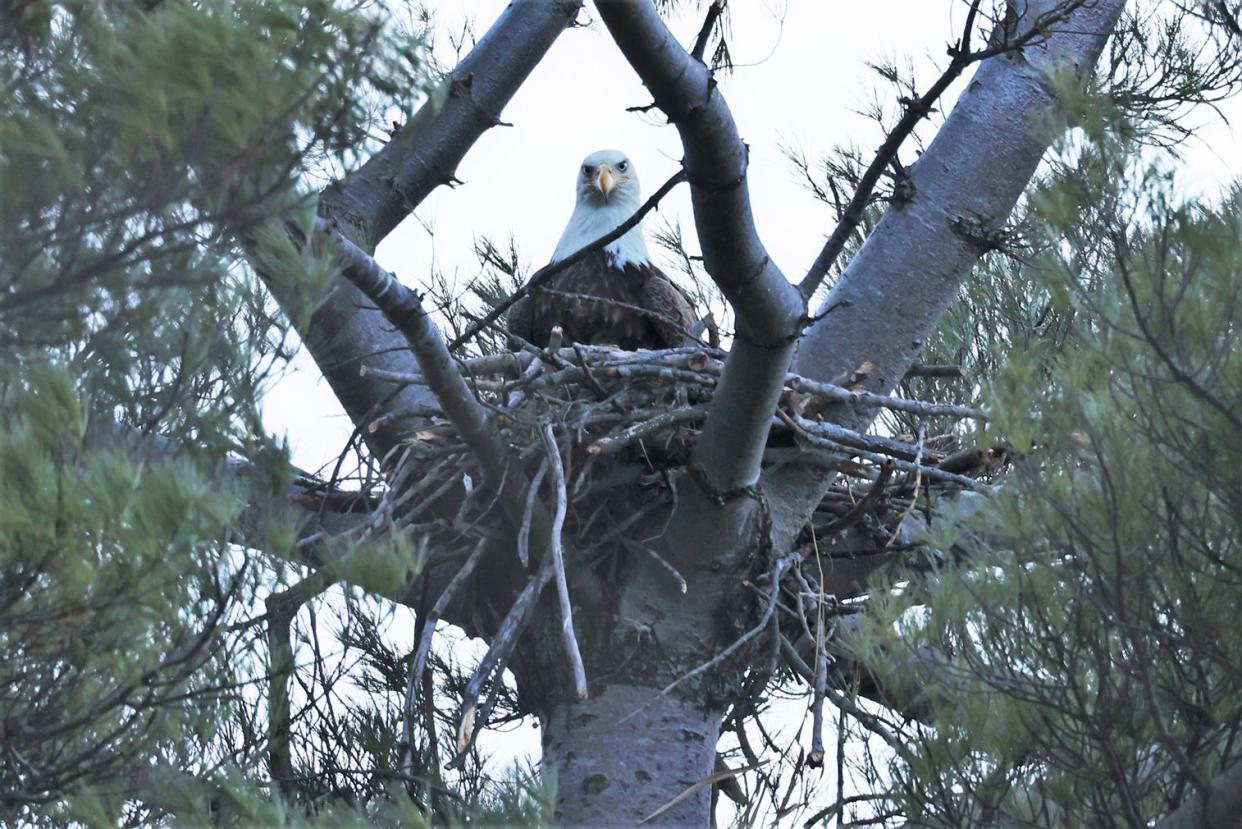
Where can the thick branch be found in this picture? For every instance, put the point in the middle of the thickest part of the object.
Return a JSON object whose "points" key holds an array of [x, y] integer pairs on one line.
{"points": [[404, 309], [424, 154], [894, 292], [343, 333], [1216, 808], [443, 376], [891, 297], [769, 310], [281, 608], [345, 329]]}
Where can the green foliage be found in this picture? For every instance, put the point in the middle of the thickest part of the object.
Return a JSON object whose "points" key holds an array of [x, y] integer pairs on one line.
{"points": [[114, 572], [151, 154], [1089, 612], [139, 145]]}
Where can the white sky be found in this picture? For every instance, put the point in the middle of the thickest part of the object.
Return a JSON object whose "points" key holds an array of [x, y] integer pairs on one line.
{"points": [[801, 77]]}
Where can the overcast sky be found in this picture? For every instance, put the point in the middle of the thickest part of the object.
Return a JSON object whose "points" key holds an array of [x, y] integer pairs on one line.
{"points": [[801, 79]]}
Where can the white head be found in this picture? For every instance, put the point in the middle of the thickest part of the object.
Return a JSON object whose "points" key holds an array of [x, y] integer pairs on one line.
{"points": [[607, 195]]}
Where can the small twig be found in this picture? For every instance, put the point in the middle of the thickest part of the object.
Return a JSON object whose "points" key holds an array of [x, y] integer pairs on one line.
{"points": [[532, 494], [705, 31], [918, 481], [843, 702], [840, 394], [816, 758], [916, 109], [497, 657], [631, 435], [591, 380], [897, 449], [558, 559], [711, 779], [820, 818], [867, 721], [625, 371], [643, 548], [864, 504], [876, 457]]}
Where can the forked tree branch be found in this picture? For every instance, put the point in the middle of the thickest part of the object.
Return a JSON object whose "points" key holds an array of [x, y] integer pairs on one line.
{"points": [[891, 296], [345, 329], [404, 309], [770, 311], [701, 40]]}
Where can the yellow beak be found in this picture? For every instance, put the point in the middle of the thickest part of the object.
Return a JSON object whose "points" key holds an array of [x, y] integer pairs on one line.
{"points": [[606, 182]]}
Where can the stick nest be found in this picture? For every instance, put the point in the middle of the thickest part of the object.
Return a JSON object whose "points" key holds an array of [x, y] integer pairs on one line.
{"points": [[626, 424]]}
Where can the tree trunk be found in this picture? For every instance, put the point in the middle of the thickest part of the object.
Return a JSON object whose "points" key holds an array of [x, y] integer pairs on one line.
{"points": [[618, 757]]}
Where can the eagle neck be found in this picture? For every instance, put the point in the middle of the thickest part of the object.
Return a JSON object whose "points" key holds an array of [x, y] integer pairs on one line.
{"points": [[591, 221]]}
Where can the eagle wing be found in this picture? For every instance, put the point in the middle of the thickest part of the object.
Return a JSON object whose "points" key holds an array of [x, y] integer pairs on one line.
{"points": [[672, 318], [521, 320]]}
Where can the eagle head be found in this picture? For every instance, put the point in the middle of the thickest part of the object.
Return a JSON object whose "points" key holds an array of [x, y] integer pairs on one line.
{"points": [[605, 176], [607, 195]]}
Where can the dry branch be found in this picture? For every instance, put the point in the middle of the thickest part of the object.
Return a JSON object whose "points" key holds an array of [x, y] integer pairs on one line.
{"points": [[557, 554], [419, 659]]}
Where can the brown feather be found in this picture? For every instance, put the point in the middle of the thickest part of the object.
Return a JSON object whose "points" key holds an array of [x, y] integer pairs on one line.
{"points": [[595, 302]]}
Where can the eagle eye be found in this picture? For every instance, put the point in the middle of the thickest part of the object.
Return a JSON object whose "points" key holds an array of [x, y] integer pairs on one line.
{"points": [[623, 166], [588, 170]]}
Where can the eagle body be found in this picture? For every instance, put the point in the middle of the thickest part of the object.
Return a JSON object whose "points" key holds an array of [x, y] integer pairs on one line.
{"points": [[595, 301], [614, 295]]}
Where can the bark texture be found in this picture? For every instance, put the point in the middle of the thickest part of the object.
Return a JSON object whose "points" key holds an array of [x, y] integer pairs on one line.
{"points": [[1217, 806], [623, 754], [769, 310]]}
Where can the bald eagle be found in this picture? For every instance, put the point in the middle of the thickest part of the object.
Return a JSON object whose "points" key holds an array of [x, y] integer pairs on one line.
{"points": [[615, 295]]}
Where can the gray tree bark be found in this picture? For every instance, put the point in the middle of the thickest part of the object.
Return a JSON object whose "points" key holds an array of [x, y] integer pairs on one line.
{"points": [[619, 757], [1219, 806], [893, 293]]}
